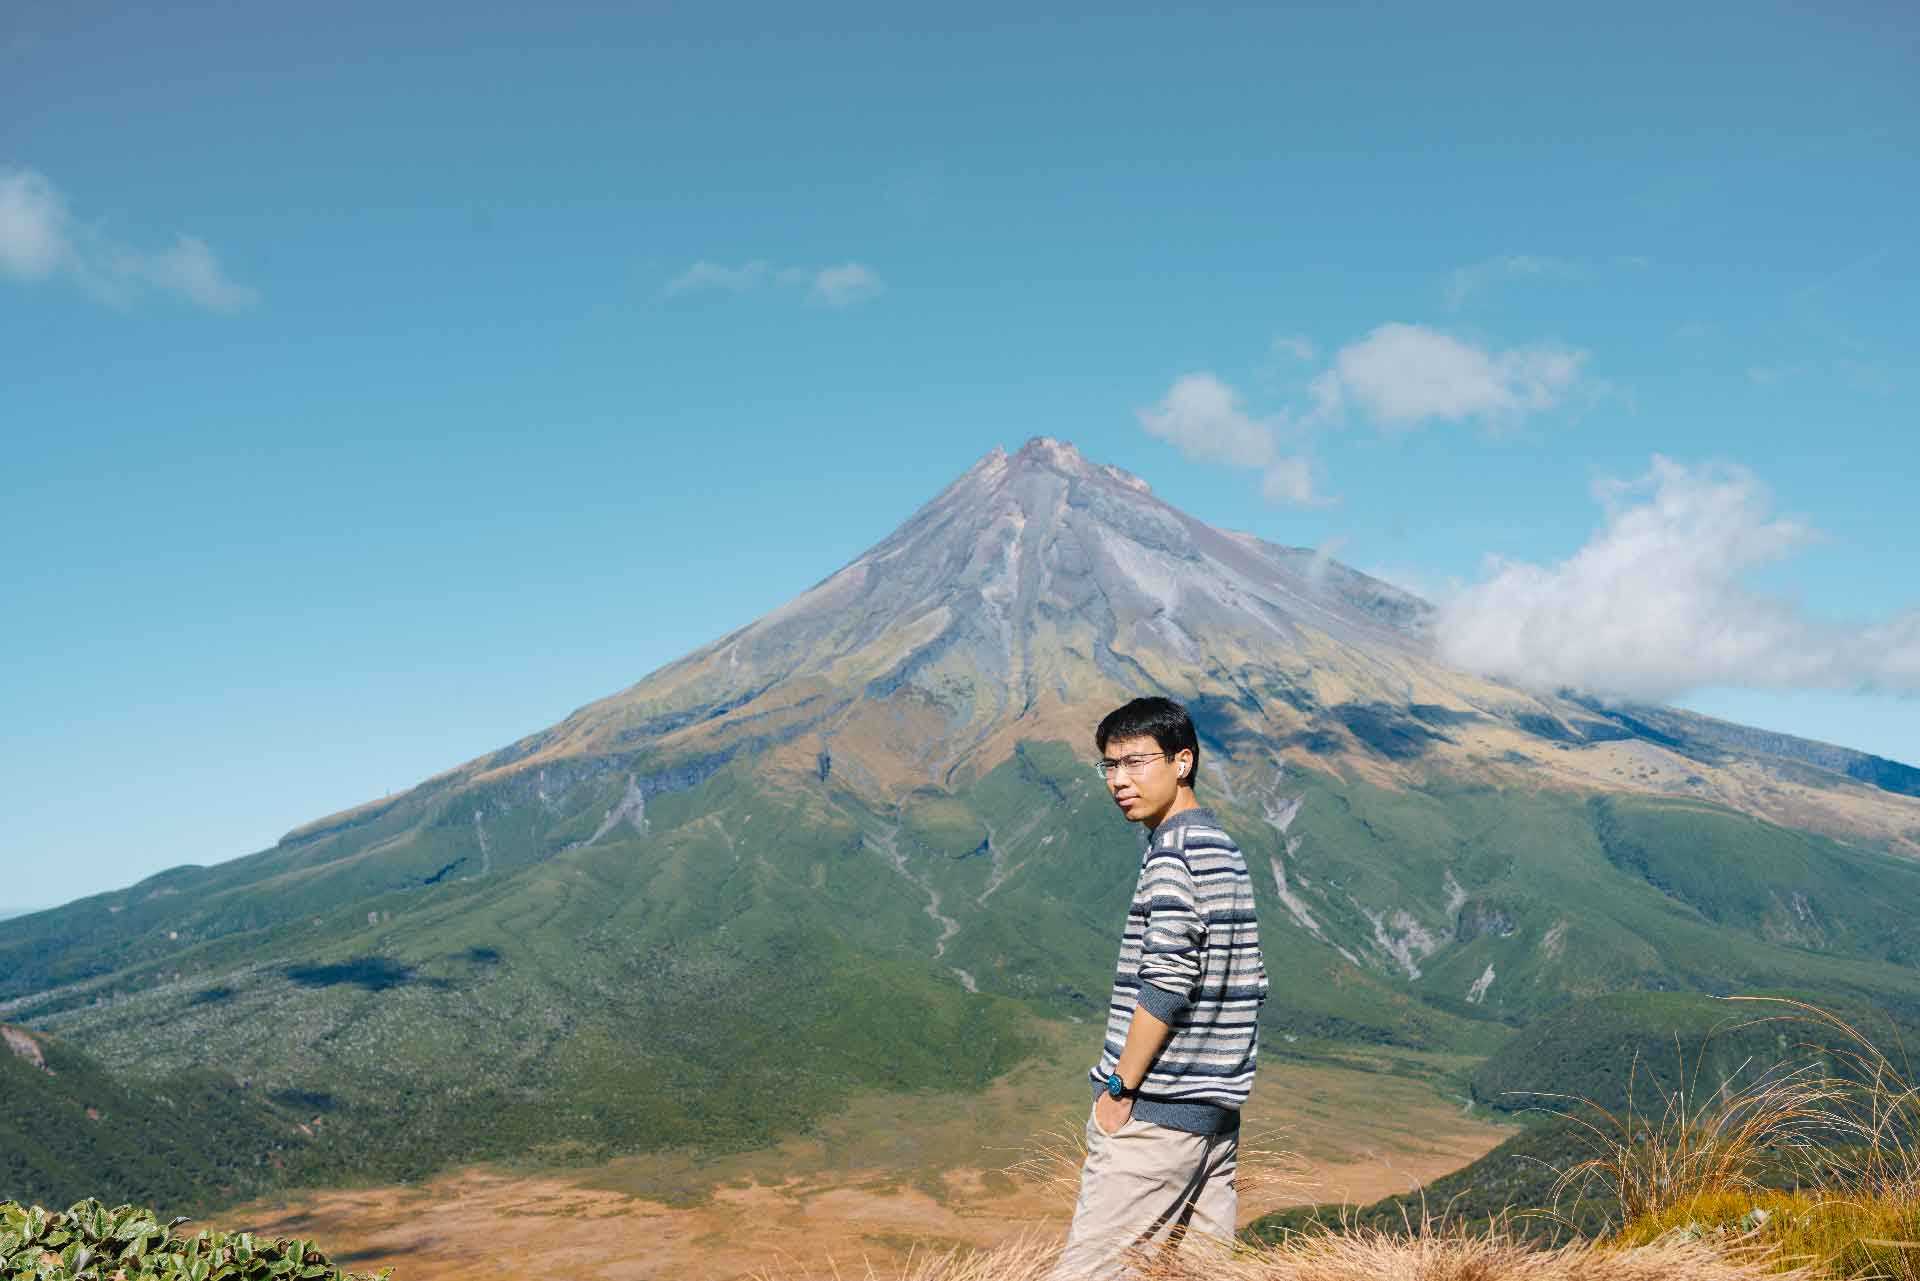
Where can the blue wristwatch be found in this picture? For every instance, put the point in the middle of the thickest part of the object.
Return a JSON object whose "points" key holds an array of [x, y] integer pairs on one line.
{"points": [[1116, 1088]]}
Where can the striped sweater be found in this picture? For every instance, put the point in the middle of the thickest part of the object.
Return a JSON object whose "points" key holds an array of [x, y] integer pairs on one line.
{"points": [[1191, 956]]}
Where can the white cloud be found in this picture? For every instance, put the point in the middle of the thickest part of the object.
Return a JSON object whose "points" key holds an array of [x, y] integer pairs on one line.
{"points": [[1894, 649], [704, 275], [39, 238], [1476, 277], [33, 225], [1323, 556], [840, 286], [1402, 375], [190, 270], [1399, 376], [1656, 603], [1203, 416], [846, 284], [1290, 480]]}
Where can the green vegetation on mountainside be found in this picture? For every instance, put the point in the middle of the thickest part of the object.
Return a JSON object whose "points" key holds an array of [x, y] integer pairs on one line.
{"points": [[69, 1129], [1773, 883], [1058, 912], [1463, 881], [1665, 1044]]}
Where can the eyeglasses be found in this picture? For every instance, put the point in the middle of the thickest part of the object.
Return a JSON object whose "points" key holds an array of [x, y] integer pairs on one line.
{"points": [[1127, 764]]}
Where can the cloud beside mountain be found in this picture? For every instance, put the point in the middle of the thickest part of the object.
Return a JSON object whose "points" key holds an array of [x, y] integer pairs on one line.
{"points": [[1204, 417], [40, 239], [1657, 603], [1405, 376], [1398, 377]]}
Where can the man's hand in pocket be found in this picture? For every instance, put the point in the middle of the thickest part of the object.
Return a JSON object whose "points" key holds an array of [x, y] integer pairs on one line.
{"points": [[1110, 1113]]}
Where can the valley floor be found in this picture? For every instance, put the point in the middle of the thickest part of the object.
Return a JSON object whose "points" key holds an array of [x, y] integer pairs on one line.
{"points": [[893, 1173]]}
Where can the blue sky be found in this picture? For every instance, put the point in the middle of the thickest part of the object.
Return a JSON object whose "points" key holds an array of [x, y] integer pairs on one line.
{"points": [[381, 385]]}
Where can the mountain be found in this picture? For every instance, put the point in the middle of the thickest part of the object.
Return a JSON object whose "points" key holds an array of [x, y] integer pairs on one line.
{"points": [[856, 844]]}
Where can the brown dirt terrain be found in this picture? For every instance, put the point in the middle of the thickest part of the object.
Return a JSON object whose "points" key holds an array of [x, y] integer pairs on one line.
{"points": [[892, 1174]]}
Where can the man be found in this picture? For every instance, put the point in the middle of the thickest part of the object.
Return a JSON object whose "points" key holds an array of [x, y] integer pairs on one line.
{"points": [[1163, 1140]]}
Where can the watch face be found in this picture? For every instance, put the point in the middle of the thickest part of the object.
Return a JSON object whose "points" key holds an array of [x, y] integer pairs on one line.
{"points": [[1114, 1086]]}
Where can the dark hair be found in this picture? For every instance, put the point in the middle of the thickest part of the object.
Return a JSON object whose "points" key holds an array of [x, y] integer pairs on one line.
{"points": [[1160, 719]]}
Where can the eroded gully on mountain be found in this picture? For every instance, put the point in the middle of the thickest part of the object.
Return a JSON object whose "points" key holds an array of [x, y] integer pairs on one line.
{"points": [[888, 844]]}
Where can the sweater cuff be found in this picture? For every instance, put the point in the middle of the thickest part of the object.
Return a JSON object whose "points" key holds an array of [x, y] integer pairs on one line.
{"points": [[1162, 1004]]}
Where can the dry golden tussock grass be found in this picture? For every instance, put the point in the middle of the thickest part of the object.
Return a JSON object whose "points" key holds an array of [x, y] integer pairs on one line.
{"points": [[1846, 1138], [1720, 1144], [1879, 1117], [1442, 1254], [1431, 1251], [1357, 1255]]}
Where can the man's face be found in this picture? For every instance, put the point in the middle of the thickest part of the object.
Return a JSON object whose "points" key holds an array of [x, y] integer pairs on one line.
{"points": [[1147, 781]]}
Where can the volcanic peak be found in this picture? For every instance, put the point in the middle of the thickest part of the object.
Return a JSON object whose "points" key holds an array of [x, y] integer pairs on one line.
{"points": [[1061, 456]]}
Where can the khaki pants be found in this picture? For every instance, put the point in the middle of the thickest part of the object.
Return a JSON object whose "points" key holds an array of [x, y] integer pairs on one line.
{"points": [[1146, 1188]]}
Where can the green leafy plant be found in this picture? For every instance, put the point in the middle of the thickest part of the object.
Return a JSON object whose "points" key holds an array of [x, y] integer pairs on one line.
{"points": [[90, 1242]]}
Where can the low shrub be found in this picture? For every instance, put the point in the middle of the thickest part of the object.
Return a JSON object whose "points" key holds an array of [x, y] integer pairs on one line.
{"points": [[90, 1242]]}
